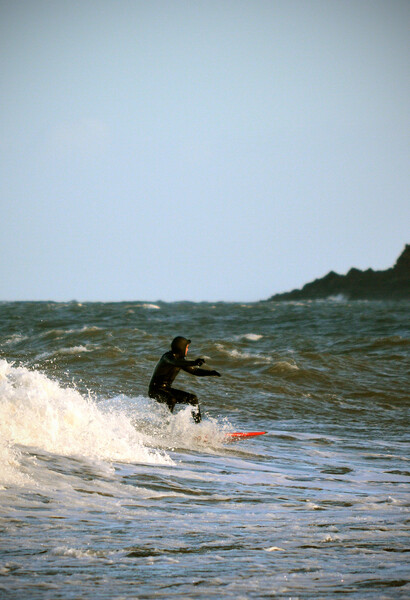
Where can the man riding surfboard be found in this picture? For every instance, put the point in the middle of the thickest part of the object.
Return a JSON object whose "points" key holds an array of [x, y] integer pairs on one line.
{"points": [[168, 367]]}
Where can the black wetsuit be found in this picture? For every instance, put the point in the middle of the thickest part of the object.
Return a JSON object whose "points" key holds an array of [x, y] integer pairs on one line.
{"points": [[168, 367]]}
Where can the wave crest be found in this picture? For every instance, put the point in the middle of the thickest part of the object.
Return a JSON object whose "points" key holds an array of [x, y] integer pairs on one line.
{"points": [[38, 412]]}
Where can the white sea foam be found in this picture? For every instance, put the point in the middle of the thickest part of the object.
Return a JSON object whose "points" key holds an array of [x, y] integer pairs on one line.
{"points": [[77, 553], [327, 539], [252, 337], [338, 298], [59, 332], [237, 354], [74, 350], [151, 306], [15, 339], [160, 429], [282, 366], [69, 350], [181, 428], [37, 412], [9, 466]]}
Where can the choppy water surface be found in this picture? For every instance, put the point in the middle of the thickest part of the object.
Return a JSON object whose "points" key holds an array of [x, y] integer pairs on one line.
{"points": [[104, 494]]}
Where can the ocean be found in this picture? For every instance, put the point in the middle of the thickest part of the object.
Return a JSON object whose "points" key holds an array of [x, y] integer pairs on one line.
{"points": [[104, 494]]}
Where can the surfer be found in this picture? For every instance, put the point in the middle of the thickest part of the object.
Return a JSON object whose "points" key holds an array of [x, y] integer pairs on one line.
{"points": [[168, 367]]}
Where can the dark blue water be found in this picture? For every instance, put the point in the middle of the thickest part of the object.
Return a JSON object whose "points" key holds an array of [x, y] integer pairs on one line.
{"points": [[105, 494]]}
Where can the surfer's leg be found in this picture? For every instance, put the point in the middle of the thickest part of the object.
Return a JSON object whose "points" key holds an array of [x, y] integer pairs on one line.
{"points": [[164, 396], [186, 398], [196, 415]]}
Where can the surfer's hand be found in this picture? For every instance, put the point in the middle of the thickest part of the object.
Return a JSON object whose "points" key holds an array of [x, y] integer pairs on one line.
{"points": [[215, 374], [199, 362]]}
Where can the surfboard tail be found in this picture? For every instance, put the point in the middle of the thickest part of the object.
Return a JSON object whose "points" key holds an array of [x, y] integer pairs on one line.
{"points": [[241, 434]]}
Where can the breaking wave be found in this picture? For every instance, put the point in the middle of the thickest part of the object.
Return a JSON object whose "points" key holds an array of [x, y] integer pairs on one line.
{"points": [[39, 413]]}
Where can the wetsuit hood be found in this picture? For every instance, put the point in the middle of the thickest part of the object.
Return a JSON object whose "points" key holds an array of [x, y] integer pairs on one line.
{"points": [[179, 345]]}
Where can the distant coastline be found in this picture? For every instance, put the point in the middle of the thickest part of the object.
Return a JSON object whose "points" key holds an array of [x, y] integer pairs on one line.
{"points": [[391, 284]]}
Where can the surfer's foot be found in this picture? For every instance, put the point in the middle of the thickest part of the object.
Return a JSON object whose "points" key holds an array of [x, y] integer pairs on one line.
{"points": [[196, 415]]}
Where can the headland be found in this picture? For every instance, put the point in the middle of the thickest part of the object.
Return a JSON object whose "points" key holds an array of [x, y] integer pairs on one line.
{"points": [[391, 284]]}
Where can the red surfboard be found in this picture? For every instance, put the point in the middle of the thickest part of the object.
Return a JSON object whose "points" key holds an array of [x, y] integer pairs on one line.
{"points": [[239, 434]]}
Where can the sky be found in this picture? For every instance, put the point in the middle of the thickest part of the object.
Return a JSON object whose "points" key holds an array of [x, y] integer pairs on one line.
{"points": [[200, 150]]}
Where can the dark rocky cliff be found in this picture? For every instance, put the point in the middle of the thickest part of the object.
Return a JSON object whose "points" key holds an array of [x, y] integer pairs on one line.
{"points": [[391, 284]]}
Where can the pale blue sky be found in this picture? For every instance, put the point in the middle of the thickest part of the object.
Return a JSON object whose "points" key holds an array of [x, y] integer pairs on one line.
{"points": [[200, 150]]}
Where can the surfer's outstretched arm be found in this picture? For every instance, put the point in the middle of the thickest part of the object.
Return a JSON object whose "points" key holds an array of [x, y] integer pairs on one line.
{"points": [[190, 366], [180, 363], [201, 372]]}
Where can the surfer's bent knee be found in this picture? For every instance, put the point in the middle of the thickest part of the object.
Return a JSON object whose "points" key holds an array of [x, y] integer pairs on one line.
{"points": [[193, 400]]}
